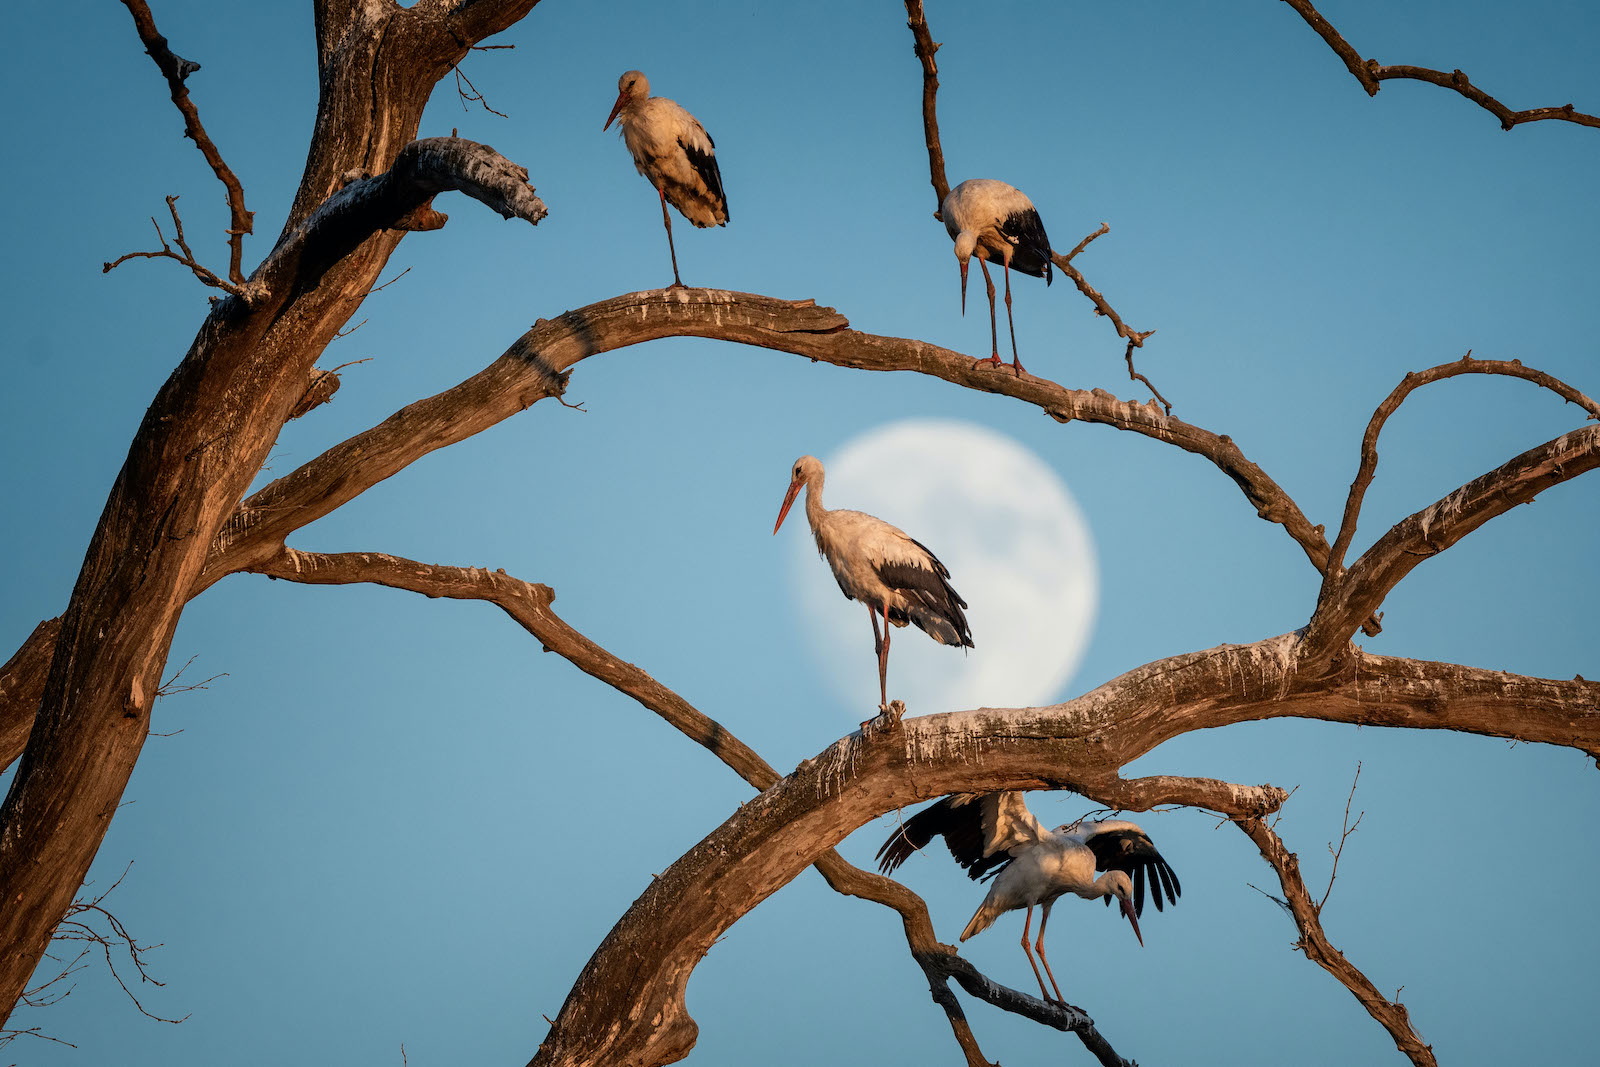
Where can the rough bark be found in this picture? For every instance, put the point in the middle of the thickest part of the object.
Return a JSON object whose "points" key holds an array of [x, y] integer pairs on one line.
{"points": [[202, 440]]}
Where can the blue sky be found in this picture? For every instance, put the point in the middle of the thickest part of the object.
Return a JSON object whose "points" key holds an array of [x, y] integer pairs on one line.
{"points": [[396, 821]]}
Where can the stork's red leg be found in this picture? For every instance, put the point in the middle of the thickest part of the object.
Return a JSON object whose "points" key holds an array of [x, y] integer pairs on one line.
{"points": [[1016, 364], [1028, 953], [1044, 917], [994, 334], [666, 220], [883, 658]]}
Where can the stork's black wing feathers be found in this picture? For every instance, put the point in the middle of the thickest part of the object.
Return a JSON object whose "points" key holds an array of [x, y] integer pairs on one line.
{"points": [[705, 165], [959, 819], [932, 591], [1131, 851], [1025, 229]]}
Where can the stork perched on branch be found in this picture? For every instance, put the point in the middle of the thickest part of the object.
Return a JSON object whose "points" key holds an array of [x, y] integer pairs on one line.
{"points": [[893, 574], [996, 223], [673, 151], [995, 832]]}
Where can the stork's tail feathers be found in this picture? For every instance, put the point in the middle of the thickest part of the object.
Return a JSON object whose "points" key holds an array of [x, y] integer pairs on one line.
{"points": [[983, 918]]}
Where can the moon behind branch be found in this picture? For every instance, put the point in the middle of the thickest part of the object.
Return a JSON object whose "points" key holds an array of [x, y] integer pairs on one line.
{"points": [[1018, 549]]}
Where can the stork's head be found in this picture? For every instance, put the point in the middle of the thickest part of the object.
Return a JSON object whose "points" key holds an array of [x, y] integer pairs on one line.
{"points": [[632, 87], [966, 244], [1118, 884], [807, 470]]}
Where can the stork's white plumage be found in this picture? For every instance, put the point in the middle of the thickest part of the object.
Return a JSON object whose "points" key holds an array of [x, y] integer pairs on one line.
{"points": [[997, 223], [989, 832], [674, 152], [880, 565]]}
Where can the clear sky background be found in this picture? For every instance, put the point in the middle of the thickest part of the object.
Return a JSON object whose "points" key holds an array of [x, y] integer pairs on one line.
{"points": [[396, 821]]}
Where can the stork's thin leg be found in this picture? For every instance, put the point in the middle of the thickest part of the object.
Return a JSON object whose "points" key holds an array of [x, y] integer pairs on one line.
{"points": [[994, 335], [883, 658], [1016, 364], [1044, 917], [666, 220], [1028, 953]]}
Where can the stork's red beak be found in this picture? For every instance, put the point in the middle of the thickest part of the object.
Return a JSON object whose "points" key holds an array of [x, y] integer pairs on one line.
{"points": [[1133, 919], [794, 491], [963, 287], [622, 98]]}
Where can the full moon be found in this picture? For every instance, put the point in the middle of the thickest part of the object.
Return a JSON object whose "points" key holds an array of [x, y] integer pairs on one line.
{"points": [[1018, 550]]}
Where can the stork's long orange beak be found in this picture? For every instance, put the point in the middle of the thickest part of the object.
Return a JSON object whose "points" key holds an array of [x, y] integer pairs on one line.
{"points": [[622, 98], [794, 491], [963, 286], [1133, 919]]}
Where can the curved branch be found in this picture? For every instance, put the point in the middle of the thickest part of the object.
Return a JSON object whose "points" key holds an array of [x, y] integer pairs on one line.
{"points": [[1370, 73], [1412, 382], [1361, 590], [1392, 1015], [529, 605], [176, 70]]}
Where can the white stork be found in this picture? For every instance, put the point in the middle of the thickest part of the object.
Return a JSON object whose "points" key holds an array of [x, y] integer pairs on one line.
{"points": [[989, 832], [997, 223], [673, 151], [891, 573]]}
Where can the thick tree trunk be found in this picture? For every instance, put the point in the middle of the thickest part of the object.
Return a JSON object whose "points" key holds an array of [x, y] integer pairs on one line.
{"points": [[201, 442]]}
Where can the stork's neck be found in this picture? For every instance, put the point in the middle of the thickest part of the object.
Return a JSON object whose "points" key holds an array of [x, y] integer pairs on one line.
{"points": [[814, 508], [1100, 887], [966, 244]]}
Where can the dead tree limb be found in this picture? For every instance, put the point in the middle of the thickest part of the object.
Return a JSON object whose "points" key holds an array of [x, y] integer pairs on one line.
{"points": [[183, 255], [1361, 590], [1412, 382], [176, 70], [1392, 1015], [1371, 74], [528, 605]]}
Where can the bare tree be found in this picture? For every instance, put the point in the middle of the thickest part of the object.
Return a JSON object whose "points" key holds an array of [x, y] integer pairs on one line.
{"points": [[75, 698]]}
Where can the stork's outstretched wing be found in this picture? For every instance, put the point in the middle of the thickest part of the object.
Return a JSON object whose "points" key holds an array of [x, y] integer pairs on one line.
{"points": [[982, 831]]}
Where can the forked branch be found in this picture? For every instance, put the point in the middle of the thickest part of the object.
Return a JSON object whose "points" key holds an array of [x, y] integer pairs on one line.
{"points": [[1412, 382], [183, 255], [1371, 74], [176, 70]]}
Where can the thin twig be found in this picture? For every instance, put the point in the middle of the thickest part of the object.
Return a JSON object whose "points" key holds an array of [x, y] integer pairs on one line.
{"points": [[186, 258], [471, 94], [1345, 831], [1134, 375], [1370, 73], [176, 69], [1087, 241]]}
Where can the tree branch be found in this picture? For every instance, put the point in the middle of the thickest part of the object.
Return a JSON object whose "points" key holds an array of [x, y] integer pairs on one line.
{"points": [[529, 605], [176, 69], [1362, 589], [925, 49], [1370, 73], [1412, 382], [186, 258], [1392, 1015]]}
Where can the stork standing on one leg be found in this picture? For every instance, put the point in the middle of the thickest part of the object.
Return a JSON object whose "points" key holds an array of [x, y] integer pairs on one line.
{"points": [[673, 151], [989, 832], [892, 574], [996, 223]]}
